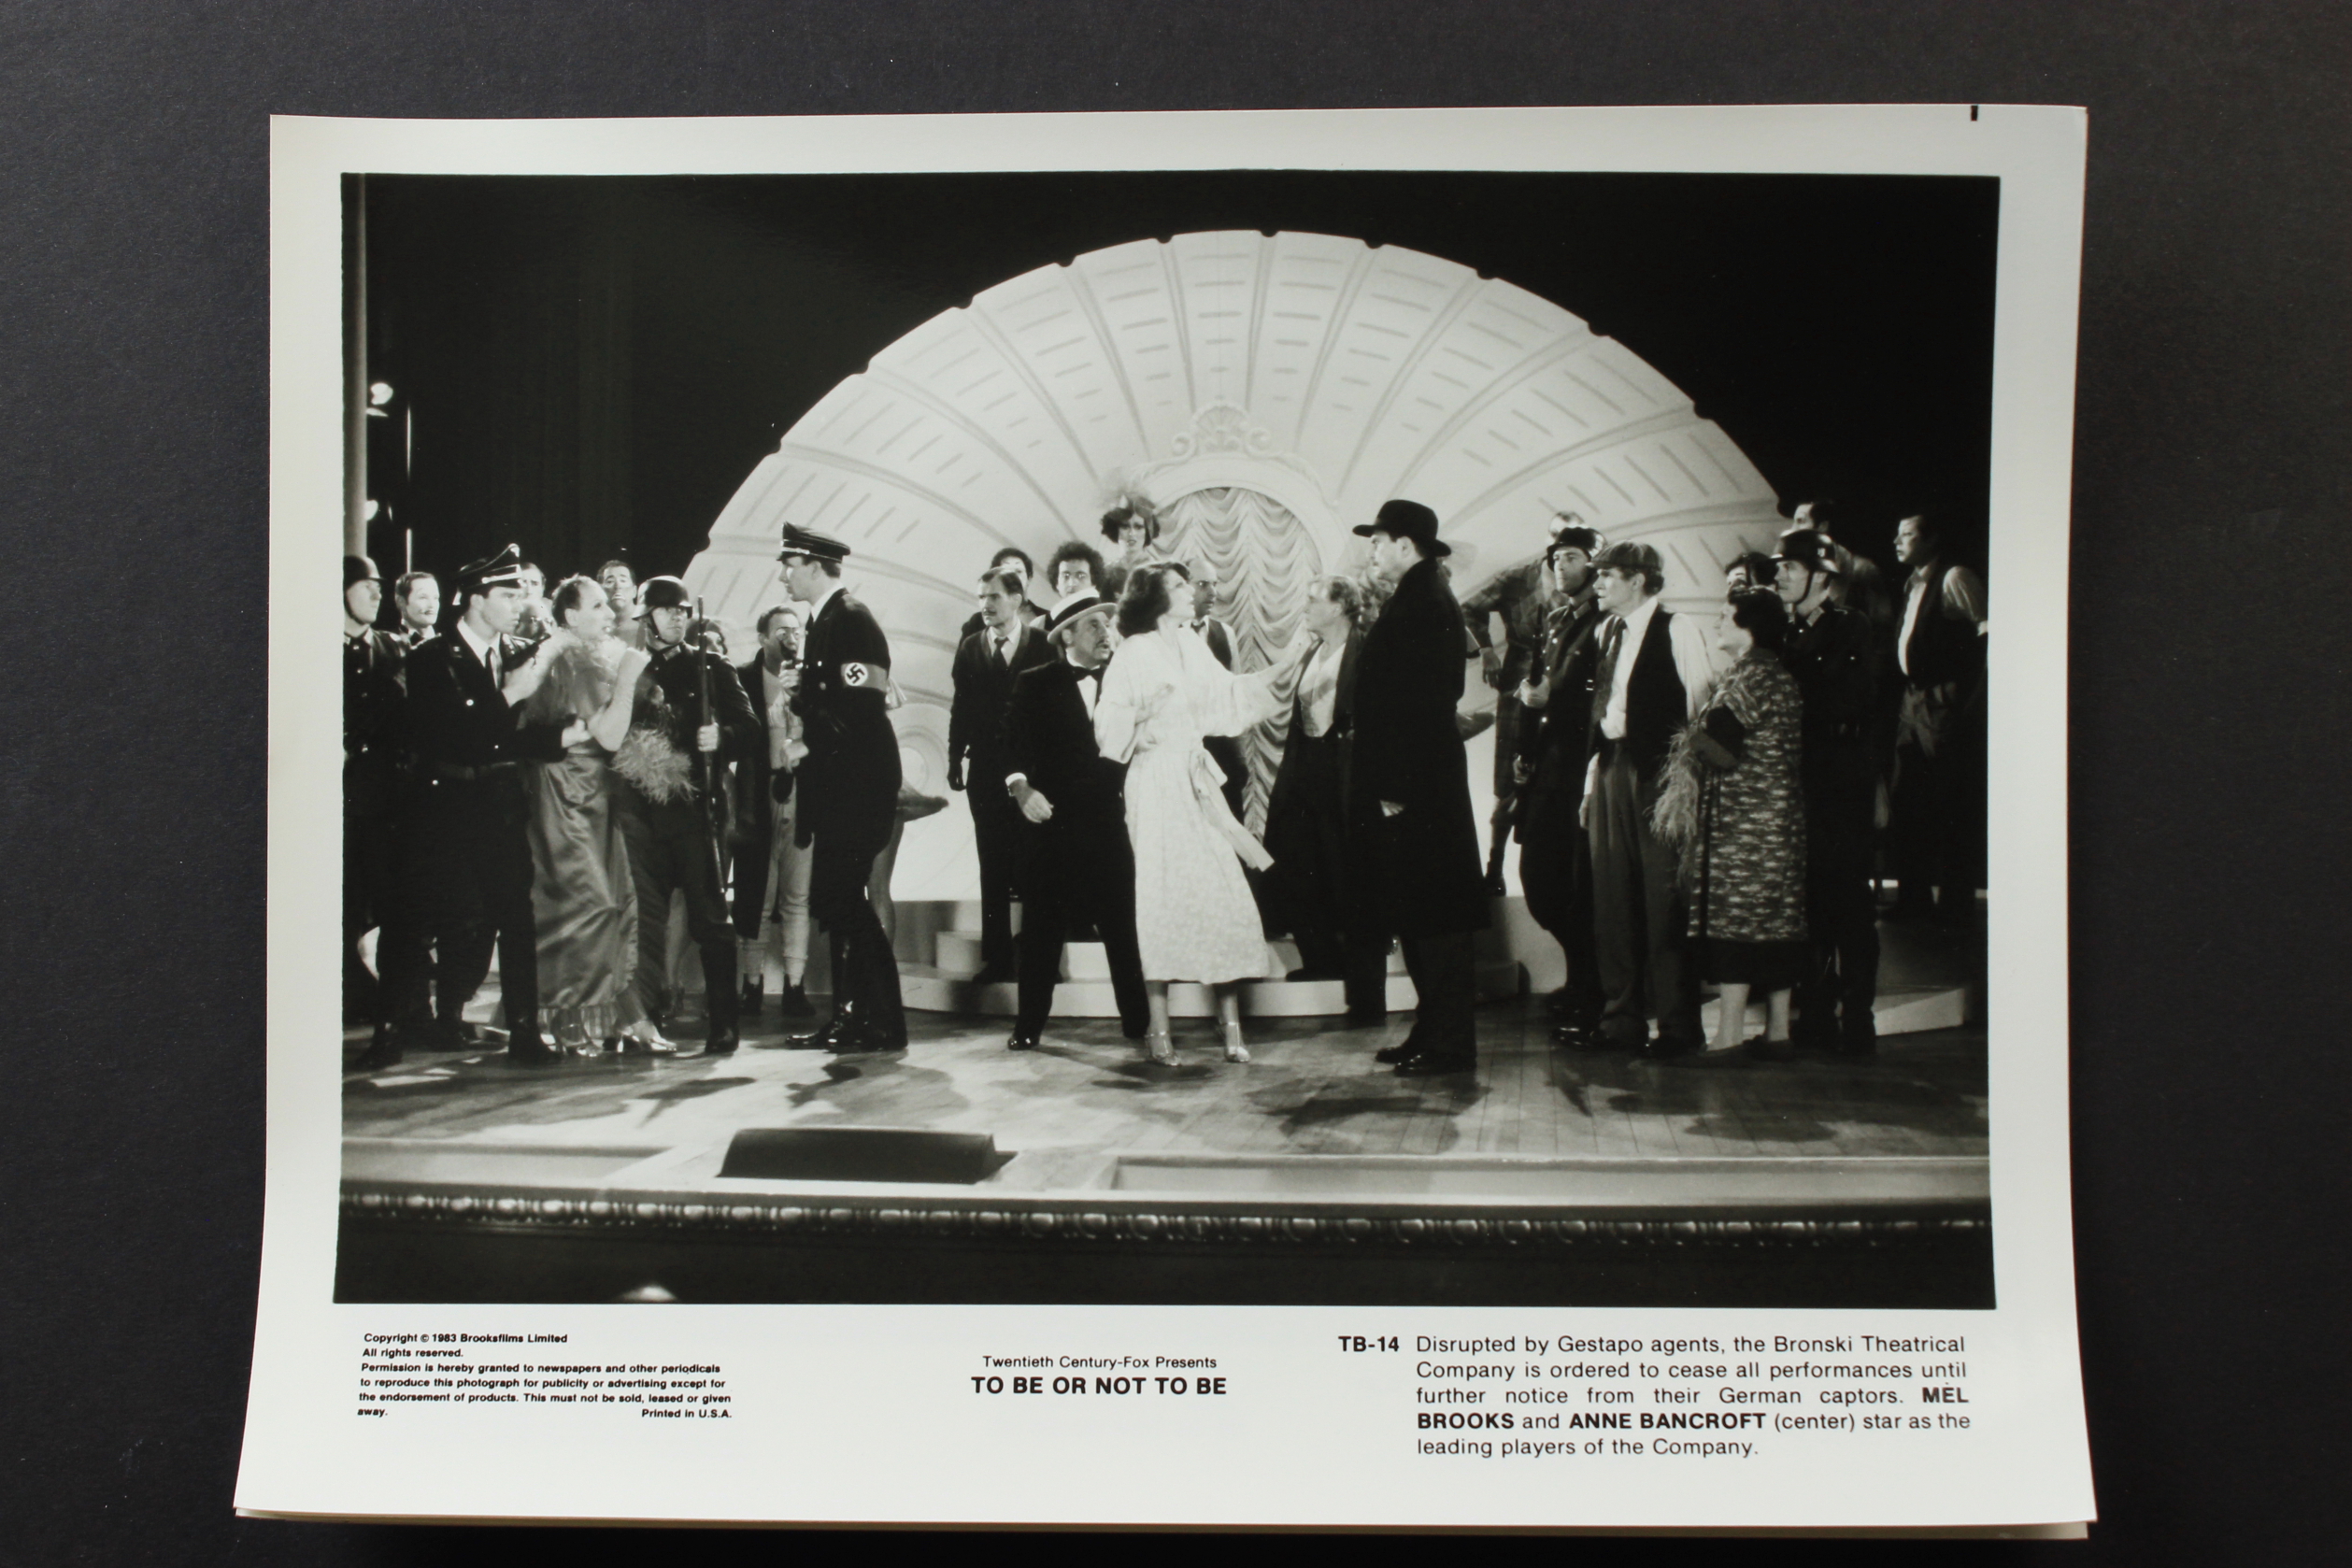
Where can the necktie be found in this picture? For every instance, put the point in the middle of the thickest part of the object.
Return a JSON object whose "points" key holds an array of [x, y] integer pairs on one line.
{"points": [[1605, 682]]}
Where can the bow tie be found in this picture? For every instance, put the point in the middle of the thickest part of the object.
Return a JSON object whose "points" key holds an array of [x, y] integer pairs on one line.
{"points": [[1095, 675]]}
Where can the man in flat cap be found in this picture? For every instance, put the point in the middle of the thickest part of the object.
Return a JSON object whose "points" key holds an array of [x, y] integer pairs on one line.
{"points": [[1833, 653], [667, 777], [1412, 835], [1652, 677], [1079, 868], [464, 874], [372, 765], [849, 788]]}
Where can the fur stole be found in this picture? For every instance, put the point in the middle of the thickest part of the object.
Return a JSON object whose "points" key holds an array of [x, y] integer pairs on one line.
{"points": [[648, 757]]}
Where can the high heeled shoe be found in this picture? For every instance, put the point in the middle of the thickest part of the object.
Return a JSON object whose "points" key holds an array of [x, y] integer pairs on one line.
{"points": [[1159, 1046], [1234, 1049], [644, 1035]]}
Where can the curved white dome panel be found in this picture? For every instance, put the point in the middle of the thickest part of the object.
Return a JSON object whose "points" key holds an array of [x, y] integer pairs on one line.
{"points": [[1325, 373]]}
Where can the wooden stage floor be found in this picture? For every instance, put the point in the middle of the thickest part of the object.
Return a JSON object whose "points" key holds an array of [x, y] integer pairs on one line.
{"points": [[1067, 1113]]}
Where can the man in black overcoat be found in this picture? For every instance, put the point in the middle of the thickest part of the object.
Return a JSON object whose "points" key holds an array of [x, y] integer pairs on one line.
{"points": [[848, 786], [674, 822], [985, 666], [464, 883], [1080, 867], [1833, 652], [1555, 733], [1309, 888], [373, 765], [1413, 837]]}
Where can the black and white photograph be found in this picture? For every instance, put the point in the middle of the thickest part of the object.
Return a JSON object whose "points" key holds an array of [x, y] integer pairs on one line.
{"points": [[1167, 736]]}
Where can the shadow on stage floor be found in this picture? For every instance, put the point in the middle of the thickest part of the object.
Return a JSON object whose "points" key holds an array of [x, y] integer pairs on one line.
{"points": [[1303, 1175]]}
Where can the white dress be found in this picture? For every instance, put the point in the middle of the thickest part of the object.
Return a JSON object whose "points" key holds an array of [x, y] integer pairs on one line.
{"points": [[1194, 917]]}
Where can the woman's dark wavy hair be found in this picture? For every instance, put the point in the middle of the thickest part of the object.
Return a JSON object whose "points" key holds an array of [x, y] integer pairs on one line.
{"points": [[567, 595], [1145, 602], [1120, 517], [1762, 612]]}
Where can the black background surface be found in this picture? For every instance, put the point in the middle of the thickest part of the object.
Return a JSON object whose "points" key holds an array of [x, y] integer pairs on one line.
{"points": [[1838, 329], [2208, 680]]}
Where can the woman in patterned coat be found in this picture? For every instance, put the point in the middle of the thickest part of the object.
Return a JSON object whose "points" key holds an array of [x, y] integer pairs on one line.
{"points": [[1732, 806]]}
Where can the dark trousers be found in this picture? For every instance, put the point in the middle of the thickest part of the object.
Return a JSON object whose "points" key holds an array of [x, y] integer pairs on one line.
{"points": [[1309, 885], [462, 889], [670, 852], [1446, 986], [1936, 826], [1075, 877], [367, 882], [1556, 871], [1638, 919], [841, 864], [1840, 915], [996, 833]]}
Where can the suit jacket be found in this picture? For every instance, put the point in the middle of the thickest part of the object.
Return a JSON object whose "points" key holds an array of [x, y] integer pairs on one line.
{"points": [[976, 718], [1405, 747], [849, 780], [1049, 741]]}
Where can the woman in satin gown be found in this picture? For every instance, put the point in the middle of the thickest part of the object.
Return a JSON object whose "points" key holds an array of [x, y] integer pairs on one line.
{"points": [[1195, 918], [582, 897]]}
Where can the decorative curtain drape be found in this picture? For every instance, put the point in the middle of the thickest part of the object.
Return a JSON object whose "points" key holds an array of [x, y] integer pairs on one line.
{"points": [[1263, 558]]}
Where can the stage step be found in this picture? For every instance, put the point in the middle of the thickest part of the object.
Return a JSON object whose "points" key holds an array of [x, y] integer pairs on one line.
{"points": [[958, 952], [1899, 1010], [929, 989]]}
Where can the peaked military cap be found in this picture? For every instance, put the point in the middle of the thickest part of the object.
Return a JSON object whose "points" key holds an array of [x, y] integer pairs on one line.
{"points": [[503, 570], [816, 546], [1406, 519], [663, 593]]}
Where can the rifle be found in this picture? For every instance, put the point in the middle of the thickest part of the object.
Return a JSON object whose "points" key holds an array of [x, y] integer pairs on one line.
{"points": [[714, 798]]}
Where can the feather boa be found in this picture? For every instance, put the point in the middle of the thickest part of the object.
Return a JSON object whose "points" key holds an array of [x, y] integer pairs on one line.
{"points": [[659, 770], [1682, 793]]}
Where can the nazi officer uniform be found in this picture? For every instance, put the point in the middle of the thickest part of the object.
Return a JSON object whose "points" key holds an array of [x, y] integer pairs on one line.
{"points": [[464, 884], [849, 787], [374, 767]]}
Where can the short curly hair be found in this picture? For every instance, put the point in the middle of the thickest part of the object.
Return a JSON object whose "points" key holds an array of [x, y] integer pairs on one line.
{"points": [[1146, 599], [1076, 550]]}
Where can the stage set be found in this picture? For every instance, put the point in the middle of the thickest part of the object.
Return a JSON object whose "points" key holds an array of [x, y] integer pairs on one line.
{"points": [[1265, 391]]}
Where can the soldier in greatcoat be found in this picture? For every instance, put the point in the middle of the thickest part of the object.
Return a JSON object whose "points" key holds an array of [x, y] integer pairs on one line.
{"points": [[849, 786]]}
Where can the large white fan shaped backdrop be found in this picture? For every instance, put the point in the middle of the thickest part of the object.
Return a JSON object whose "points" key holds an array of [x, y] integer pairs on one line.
{"points": [[1319, 374]]}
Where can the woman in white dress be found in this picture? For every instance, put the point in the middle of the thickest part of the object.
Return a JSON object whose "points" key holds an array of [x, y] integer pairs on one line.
{"points": [[1162, 693]]}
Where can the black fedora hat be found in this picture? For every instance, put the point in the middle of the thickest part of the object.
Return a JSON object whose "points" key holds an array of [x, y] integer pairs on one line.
{"points": [[1406, 519]]}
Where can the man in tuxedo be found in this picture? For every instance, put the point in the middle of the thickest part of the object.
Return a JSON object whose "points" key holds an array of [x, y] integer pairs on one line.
{"points": [[771, 883], [985, 668], [1555, 732], [1082, 869], [1201, 581], [1308, 888], [670, 817], [1653, 676], [373, 765], [847, 787], [416, 595], [464, 877], [1412, 835], [1831, 650]]}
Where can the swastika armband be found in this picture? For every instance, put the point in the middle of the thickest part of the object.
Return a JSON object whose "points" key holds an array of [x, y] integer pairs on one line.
{"points": [[858, 677]]}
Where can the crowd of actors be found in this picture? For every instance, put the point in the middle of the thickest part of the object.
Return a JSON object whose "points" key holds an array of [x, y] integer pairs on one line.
{"points": [[568, 779], [584, 783]]}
